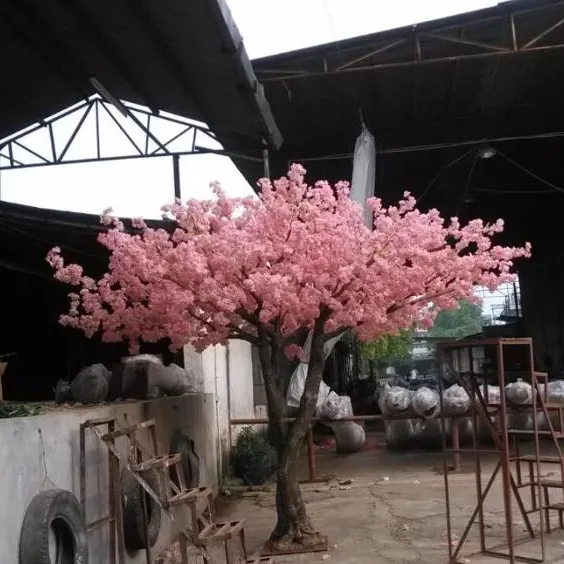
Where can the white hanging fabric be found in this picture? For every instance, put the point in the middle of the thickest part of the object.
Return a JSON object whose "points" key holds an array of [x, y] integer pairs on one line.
{"points": [[297, 383], [362, 188], [364, 171]]}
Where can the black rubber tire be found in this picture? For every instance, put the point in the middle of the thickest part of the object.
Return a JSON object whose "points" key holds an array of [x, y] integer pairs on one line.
{"points": [[53, 515], [132, 503], [190, 461]]}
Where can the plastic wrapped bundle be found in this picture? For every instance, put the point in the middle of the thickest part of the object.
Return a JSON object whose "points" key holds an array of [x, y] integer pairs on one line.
{"points": [[91, 384], [493, 396], [520, 421], [171, 380], [349, 436], [336, 407], [136, 376], [519, 393], [542, 422], [426, 403], [394, 400], [399, 433], [555, 391], [455, 400], [555, 394], [142, 358], [427, 433]]}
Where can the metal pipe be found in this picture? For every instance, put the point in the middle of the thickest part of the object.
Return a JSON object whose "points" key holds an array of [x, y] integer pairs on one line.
{"points": [[445, 474], [358, 418], [544, 33], [382, 49], [504, 455], [469, 42], [456, 465]]}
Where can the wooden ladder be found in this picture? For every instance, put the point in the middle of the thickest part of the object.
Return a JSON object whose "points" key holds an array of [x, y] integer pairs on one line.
{"points": [[170, 496], [115, 514]]}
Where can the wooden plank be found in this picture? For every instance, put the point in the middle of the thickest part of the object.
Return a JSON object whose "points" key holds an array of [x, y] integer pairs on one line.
{"points": [[236, 526], [222, 531], [123, 431], [206, 532], [156, 462]]}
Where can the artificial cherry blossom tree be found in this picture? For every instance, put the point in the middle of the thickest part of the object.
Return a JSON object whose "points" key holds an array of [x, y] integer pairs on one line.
{"points": [[268, 270]]}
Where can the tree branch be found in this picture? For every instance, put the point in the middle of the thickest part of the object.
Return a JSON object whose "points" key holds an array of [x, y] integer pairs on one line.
{"points": [[239, 333], [395, 307], [253, 319]]}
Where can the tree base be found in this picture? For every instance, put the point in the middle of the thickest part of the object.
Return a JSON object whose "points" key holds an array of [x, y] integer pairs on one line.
{"points": [[315, 542]]}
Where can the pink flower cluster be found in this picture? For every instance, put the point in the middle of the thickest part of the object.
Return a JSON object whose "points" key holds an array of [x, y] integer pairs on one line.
{"points": [[230, 266]]}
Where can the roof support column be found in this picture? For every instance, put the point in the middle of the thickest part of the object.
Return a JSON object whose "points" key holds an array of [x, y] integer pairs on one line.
{"points": [[176, 175], [265, 160]]}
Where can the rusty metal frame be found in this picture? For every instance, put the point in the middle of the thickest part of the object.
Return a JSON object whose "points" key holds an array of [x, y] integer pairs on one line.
{"points": [[17, 152], [416, 55], [507, 454]]}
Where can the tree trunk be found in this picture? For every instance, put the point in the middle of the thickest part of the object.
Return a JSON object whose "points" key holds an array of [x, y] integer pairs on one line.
{"points": [[294, 531]]}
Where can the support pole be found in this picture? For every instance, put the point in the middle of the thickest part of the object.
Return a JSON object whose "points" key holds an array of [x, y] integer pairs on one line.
{"points": [[176, 174], [456, 463], [265, 161]]}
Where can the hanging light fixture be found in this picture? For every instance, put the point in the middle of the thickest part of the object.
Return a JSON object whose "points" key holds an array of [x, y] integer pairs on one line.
{"points": [[487, 152]]}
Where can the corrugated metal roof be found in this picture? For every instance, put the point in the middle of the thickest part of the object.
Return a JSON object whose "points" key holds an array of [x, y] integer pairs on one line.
{"points": [[490, 73], [183, 56]]}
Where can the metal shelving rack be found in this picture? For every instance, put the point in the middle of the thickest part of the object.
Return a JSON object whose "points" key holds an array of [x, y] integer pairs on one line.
{"points": [[510, 460]]}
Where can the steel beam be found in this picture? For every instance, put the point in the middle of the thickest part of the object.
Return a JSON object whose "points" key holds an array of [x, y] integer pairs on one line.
{"points": [[542, 34], [467, 42], [413, 62], [415, 55], [377, 51], [141, 118]]}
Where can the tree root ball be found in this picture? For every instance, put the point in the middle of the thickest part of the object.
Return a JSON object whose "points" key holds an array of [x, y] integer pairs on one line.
{"points": [[295, 543]]}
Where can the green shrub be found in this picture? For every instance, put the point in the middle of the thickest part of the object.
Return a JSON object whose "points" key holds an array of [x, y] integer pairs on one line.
{"points": [[253, 457]]}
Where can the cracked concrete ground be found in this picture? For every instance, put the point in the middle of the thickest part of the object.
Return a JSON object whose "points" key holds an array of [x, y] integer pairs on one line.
{"points": [[393, 512]]}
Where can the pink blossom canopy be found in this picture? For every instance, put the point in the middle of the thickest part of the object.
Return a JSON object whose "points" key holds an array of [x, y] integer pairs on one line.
{"points": [[230, 266]]}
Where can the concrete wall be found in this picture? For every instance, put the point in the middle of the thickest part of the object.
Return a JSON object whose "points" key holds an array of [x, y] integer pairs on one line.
{"points": [[226, 373], [241, 388], [42, 452]]}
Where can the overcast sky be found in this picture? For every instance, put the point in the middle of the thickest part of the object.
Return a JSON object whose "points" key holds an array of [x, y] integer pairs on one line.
{"points": [[141, 186]]}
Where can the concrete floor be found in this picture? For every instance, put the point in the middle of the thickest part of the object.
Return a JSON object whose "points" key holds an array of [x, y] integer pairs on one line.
{"points": [[393, 512]]}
